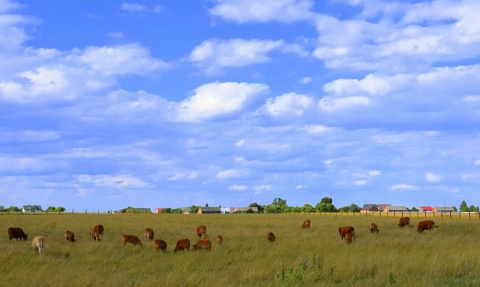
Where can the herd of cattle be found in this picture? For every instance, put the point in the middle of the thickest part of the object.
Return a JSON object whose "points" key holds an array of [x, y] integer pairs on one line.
{"points": [[346, 232]]}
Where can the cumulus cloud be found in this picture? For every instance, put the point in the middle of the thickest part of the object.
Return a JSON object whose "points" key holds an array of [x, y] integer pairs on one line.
{"points": [[432, 177], [401, 186], [212, 55], [135, 8], [306, 80], [219, 99], [331, 104], [118, 181], [238, 187], [243, 11], [288, 105], [230, 173]]}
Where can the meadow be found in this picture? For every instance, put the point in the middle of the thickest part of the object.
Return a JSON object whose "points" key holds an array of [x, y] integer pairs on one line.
{"points": [[299, 257]]}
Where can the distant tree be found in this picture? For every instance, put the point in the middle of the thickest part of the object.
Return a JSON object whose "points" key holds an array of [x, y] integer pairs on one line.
{"points": [[249, 211], [51, 209], [464, 207], [194, 208], [354, 208], [258, 206], [308, 207], [413, 209], [454, 208], [59, 209], [13, 209], [272, 208], [280, 202], [206, 204], [326, 205]]}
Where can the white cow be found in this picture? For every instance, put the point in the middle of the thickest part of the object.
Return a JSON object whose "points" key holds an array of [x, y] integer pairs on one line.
{"points": [[38, 244]]}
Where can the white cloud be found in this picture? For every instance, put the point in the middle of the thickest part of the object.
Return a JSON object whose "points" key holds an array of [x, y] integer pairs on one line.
{"points": [[243, 11], [374, 173], [140, 9], [301, 186], [401, 186], [230, 173], [306, 80], [370, 85], [476, 162], [316, 129], [214, 54], [432, 177], [288, 105], [240, 143], [117, 181], [217, 99], [471, 99], [238, 187], [331, 104], [361, 182], [259, 188]]}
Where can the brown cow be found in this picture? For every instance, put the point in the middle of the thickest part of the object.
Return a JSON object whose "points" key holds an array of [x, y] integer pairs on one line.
{"points": [[131, 239], [306, 224], [201, 231], [271, 237], [426, 225], [38, 244], [203, 244], [148, 232], [348, 238], [69, 236], [373, 227], [347, 230], [404, 221], [16, 232], [219, 239], [96, 232], [182, 245], [161, 245]]}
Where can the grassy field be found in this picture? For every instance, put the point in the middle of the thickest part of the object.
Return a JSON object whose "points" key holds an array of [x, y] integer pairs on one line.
{"points": [[298, 257]]}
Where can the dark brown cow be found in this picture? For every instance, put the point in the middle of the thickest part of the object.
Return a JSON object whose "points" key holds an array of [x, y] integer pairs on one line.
{"points": [[426, 225], [201, 231], [161, 245], [404, 221], [182, 244], [38, 244], [149, 234], [97, 232], [271, 237], [131, 239], [306, 224], [17, 232], [373, 228], [219, 239], [203, 244], [69, 236], [343, 231]]}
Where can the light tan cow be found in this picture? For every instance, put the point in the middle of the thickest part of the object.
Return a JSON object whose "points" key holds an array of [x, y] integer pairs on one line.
{"points": [[38, 244], [219, 239]]}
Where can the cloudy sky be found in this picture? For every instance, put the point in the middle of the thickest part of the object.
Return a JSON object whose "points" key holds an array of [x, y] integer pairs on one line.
{"points": [[108, 104]]}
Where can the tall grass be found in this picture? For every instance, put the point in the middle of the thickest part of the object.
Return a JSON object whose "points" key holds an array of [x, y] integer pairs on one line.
{"points": [[298, 257]]}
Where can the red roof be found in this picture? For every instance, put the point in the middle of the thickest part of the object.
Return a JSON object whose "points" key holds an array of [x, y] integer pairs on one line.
{"points": [[426, 208]]}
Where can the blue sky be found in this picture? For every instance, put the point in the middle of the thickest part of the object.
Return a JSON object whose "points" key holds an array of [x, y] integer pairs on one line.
{"points": [[108, 104]]}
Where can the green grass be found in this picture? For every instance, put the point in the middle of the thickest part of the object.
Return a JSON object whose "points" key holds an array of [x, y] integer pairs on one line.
{"points": [[299, 257]]}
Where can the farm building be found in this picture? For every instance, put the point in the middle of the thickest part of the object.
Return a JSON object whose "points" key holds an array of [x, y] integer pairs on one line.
{"points": [[32, 208], [369, 207], [243, 209], [382, 206], [136, 210], [392, 208], [444, 209], [209, 210], [425, 208]]}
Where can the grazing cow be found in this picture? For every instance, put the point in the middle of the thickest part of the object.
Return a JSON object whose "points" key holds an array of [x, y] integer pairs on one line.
{"points": [[203, 244], [347, 230], [348, 238], [404, 221], [426, 225], [161, 245], [97, 232], [373, 227], [219, 239], [131, 239], [271, 237], [201, 231], [69, 236], [148, 232], [38, 244], [16, 232], [182, 244], [306, 224]]}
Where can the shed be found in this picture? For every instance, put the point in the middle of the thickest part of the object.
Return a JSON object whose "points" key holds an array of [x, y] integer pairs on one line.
{"points": [[392, 208], [243, 209], [209, 210], [32, 208], [444, 209]]}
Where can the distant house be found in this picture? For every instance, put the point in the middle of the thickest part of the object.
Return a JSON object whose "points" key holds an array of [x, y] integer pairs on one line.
{"points": [[382, 206], [243, 209], [392, 208], [32, 208], [444, 209], [2, 208], [425, 208], [159, 210], [369, 207], [209, 210], [187, 210], [136, 210]]}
